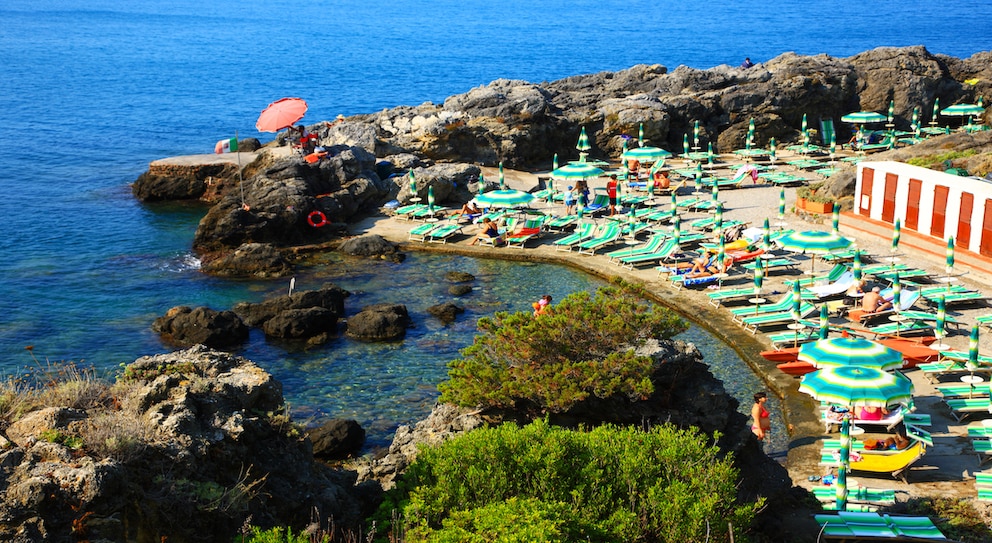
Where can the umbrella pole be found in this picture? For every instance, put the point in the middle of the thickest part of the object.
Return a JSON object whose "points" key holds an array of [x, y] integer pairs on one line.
{"points": [[241, 179]]}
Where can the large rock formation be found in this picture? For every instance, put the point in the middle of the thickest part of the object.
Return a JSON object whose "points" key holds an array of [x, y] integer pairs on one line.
{"points": [[185, 327], [310, 314], [186, 447]]}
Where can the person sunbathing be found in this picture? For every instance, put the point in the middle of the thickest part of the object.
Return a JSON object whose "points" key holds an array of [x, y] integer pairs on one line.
{"points": [[490, 231], [707, 266], [873, 302], [470, 208]]}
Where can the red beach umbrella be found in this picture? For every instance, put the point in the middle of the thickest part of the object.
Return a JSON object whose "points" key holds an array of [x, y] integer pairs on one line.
{"points": [[281, 114]]}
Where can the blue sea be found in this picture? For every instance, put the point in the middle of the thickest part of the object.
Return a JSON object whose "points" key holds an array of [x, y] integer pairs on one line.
{"points": [[93, 91]]}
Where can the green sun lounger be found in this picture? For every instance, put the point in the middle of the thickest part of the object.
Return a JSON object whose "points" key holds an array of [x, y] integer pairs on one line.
{"points": [[983, 484], [559, 224], [734, 294], [583, 232], [753, 323], [420, 232], [782, 304], [662, 252], [608, 235], [829, 277], [951, 391], [962, 408], [874, 496], [652, 245], [443, 232]]}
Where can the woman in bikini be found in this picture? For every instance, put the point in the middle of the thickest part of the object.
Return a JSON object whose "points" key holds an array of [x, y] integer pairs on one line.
{"points": [[761, 424]]}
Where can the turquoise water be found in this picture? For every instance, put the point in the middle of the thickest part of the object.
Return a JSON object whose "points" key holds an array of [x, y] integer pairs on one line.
{"points": [[93, 91]]}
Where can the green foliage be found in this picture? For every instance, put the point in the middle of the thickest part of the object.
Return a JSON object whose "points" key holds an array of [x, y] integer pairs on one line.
{"points": [[582, 346], [66, 440], [148, 374], [815, 192], [938, 162], [279, 535], [542, 483]]}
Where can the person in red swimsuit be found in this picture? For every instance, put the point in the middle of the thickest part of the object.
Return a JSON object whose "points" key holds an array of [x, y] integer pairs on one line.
{"points": [[762, 424], [611, 192]]}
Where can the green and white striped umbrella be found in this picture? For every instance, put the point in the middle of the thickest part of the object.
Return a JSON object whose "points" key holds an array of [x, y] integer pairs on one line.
{"points": [[695, 134], [981, 102], [709, 153], [857, 386], [824, 322], [715, 191], [940, 328], [718, 219], [675, 201], [949, 260], [640, 135], [759, 279], [645, 154], [856, 267], [576, 170], [781, 204], [864, 117], [892, 111], [677, 229], [896, 296], [771, 149], [551, 190], [797, 301], [502, 178], [896, 234], [750, 135], [554, 162], [962, 110], [685, 145], [916, 118], [481, 188], [833, 144], [721, 255], [850, 351], [430, 197], [814, 242], [766, 236], [835, 223], [936, 110], [583, 143], [624, 147], [413, 183], [804, 127], [973, 346], [504, 198]]}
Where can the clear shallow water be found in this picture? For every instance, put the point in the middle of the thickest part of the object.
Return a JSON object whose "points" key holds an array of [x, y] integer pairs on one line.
{"points": [[93, 91]]}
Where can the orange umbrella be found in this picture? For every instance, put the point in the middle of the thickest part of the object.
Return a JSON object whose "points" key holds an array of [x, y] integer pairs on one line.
{"points": [[281, 114]]}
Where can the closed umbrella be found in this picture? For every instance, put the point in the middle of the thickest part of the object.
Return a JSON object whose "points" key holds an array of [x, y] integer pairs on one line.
{"points": [[797, 301], [482, 184], [504, 198], [709, 154], [718, 219], [583, 143], [896, 293], [554, 162], [896, 234], [771, 150], [695, 135], [750, 135], [759, 278], [835, 224], [280, 114], [824, 322], [721, 256], [973, 346], [675, 202], [915, 122], [413, 185], [430, 198], [805, 125], [949, 260], [892, 111], [940, 328], [766, 236], [551, 190], [502, 178], [781, 204], [714, 192], [936, 111], [677, 229], [640, 135], [856, 268], [685, 145], [833, 145], [850, 351]]}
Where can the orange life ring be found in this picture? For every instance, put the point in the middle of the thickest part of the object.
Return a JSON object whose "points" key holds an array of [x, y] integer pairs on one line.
{"points": [[317, 219]]}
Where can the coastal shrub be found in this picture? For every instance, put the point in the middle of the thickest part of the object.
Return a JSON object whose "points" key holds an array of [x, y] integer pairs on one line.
{"points": [[938, 162], [279, 535], [68, 441], [53, 384], [957, 518], [116, 434], [582, 346], [546, 483]]}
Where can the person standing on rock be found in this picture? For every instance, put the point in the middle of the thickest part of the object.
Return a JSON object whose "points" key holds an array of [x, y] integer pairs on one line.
{"points": [[761, 425]]}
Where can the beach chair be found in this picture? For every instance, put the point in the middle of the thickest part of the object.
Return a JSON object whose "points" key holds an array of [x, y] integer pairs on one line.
{"points": [[653, 244], [782, 304], [442, 233], [897, 465], [729, 295], [842, 256], [835, 288], [407, 210], [873, 496], [755, 322], [771, 264], [834, 274], [559, 224], [609, 234], [951, 391], [984, 320], [907, 300], [582, 232], [983, 484], [962, 408], [530, 230], [600, 203], [960, 297], [899, 328], [421, 231], [664, 251]]}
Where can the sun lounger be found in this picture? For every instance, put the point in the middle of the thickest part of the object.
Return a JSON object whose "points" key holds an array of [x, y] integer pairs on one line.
{"points": [[652, 245], [835, 288], [679, 281], [753, 323], [873, 269], [723, 296], [903, 328], [904, 274], [842, 256], [661, 253], [583, 232], [933, 370], [559, 224], [968, 297], [831, 420], [907, 300], [609, 234], [962, 408], [600, 203], [950, 391], [420, 232], [982, 448], [782, 304], [984, 320], [443, 232], [874, 496], [530, 230], [983, 484], [896, 465], [769, 264], [811, 332]]}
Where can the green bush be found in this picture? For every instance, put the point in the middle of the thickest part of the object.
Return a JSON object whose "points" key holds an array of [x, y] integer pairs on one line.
{"points": [[279, 535], [582, 346], [607, 484], [941, 161]]}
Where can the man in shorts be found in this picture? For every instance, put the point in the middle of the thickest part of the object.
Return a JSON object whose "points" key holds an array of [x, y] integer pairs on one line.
{"points": [[611, 192]]}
